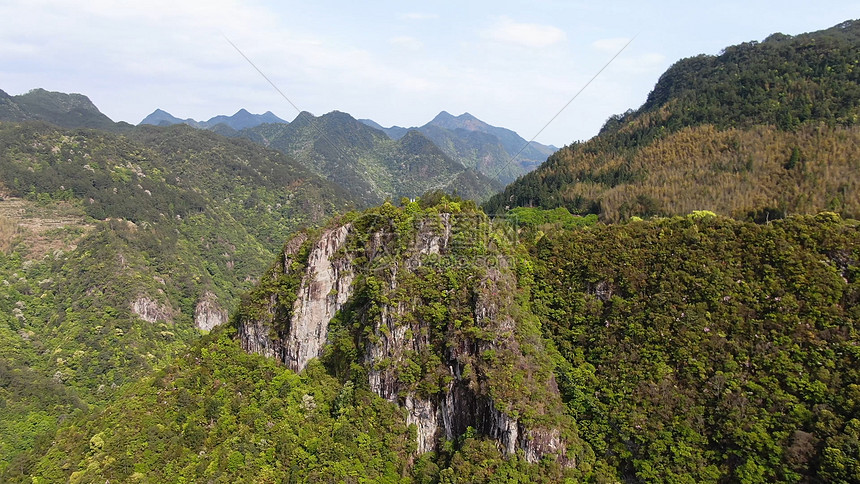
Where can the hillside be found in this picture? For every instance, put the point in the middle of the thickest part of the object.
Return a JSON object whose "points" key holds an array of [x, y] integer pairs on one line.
{"points": [[430, 347], [759, 131], [413, 334], [116, 249], [476, 144], [61, 109], [366, 162], [702, 349]]}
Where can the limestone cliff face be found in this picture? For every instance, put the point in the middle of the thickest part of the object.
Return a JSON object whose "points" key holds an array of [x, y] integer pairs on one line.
{"points": [[467, 400], [297, 334], [208, 314], [461, 367], [151, 311], [327, 285]]}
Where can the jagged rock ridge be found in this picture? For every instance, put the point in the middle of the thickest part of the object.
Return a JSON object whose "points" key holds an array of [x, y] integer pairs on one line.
{"points": [[452, 354]]}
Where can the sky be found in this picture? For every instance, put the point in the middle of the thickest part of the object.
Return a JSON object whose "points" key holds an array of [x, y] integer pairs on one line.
{"points": [[511, 64]]}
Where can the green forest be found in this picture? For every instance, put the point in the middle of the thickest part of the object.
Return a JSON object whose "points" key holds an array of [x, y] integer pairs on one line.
{"points": [[686, 349], [675, 300], [761, 130]]}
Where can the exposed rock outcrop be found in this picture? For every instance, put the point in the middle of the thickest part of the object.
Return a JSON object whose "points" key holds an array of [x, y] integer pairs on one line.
{"points": [[326, 286], [151, 310], [300, 331], [450, 373], [208, 314]]}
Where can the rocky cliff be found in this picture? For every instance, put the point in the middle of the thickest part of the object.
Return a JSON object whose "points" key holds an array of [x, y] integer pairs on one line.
{"points": [[208, 314], [420, 305]]}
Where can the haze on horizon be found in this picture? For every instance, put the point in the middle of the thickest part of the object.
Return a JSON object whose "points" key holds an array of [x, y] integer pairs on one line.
{"points": [[508, 63]]}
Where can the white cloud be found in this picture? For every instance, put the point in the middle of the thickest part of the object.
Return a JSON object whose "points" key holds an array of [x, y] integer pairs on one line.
{"points": [[17, 49], [530, 35], [174, 56], [406, 42]]}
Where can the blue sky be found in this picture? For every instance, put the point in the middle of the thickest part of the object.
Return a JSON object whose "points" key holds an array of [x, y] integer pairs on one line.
{"points": [[512, 64]]}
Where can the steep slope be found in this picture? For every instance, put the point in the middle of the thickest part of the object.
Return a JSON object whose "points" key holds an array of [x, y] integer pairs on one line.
{"points": [[760, 130], [61, 109], [144, 239], [428, 349], [365, 161], [424, 302]]}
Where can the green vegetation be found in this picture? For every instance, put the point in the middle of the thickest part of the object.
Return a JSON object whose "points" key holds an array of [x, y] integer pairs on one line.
{"points": [[686, 347], [690, 349], [220, 414], [371, 166], [557, 218], [760, 131], [703, 349], [114, 243]]}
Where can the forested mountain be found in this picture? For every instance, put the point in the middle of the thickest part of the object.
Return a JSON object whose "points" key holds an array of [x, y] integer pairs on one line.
{"points": [[708, 350], [366, 162], [426, 341], [758, 131], [115, 249], [241, 120], [408, 309], [61, 109], [435, 344], [498, 153]]}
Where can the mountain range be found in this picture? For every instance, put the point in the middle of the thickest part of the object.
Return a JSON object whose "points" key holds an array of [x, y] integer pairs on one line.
{"points": [[674, 300], [368, 163], [241, 120], [372, 171], [497, 153]]}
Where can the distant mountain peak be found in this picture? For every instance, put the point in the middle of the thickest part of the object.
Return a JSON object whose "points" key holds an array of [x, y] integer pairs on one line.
{"points": [[474, 143], [304, 115], [62, 109], [443, 116], [240, 120], [160, 117]]}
